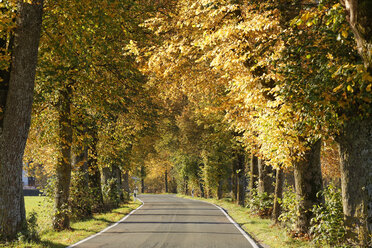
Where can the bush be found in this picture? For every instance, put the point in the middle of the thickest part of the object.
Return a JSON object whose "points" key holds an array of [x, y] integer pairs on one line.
{"points": [[290, 212], [30, 231], [80, 197], [111, 193], [328, 223], [49, 189], [261, 204]]}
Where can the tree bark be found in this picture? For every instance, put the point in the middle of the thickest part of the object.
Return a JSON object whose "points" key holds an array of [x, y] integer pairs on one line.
{"points": [[166, 180], [308, 181], [80, 202], [106, 175], [234, 181], [126, 186], [265, 178], [355, 145], [355, 148], [142, 185], [185, 186], [278, 194], [219, 188], [117, 173], [202, 194], [241, 178], [360, 19], [16, 117], [253, 174], [111, 178], [94, 173], [61, 218], [143, 179]]}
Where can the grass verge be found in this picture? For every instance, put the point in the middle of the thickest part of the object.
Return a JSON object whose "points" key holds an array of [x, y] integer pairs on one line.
{"points": [[262, 230], [80, 229]]}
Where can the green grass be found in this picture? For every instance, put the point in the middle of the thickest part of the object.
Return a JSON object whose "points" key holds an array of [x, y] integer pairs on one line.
{"points": [[80, 229], [262, 230]]}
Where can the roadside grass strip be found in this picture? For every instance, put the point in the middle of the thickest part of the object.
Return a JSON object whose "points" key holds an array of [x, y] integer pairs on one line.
{"points": [[80, 230]]}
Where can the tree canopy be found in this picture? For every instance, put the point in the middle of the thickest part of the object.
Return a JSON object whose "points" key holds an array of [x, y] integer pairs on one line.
{"points": [[198, 96]]}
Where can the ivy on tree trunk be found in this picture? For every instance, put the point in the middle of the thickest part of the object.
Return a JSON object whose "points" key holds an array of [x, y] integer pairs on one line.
{"points": [[308, 181], [61, 218]]}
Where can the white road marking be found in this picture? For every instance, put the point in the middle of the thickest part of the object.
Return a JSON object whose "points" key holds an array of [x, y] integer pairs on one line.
{"points": [[250, 240], [107, 228]]}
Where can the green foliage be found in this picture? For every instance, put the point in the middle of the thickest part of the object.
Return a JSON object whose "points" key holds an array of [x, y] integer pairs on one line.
{"points": [[261, 203], [80, 197], [111, 193], [214, 67], [328, 224], [30, 232], [289, 213], [49, 189]]}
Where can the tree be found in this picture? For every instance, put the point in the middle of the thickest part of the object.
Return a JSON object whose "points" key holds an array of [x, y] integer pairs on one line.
{"points": [[355, 139], [63, 170], [16, 113], [88, 79]]}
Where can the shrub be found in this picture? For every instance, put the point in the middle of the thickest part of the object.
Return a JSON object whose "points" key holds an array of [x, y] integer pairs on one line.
{"points": [[290, 212], [80, 197], [111, 193], [327, 223], [261, 204], [30, 230]]}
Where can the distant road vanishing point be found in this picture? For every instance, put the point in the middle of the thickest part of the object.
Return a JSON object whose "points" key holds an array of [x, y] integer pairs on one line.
{"points": [[170, 221]]}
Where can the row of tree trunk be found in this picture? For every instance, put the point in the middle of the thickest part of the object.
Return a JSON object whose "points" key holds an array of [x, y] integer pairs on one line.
{"points": [[307, 179], [355, 172], [86, 164]]}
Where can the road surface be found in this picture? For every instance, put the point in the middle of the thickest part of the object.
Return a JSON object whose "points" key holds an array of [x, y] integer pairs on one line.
{"points": [[170, 221]]}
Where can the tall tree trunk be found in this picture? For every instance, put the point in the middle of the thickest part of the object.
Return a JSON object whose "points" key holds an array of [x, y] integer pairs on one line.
{"points": [[94, 173], [234, 179], [143, 179], [106, 175], [308, 182], [111, 178], [80, 202], [229, 184], [241, 178], [360, 19], [219, 188], [201, 189], [126, 186], [185, 186], [355, 142], [356, 178], [119, 186], [142, 185], [166, 180], [265, 178], [253, 174], [278, 194], [61, 218], [15, 121]]}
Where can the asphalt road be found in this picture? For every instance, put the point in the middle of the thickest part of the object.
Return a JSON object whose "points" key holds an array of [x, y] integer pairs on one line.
{"points": [[169, 221]]}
